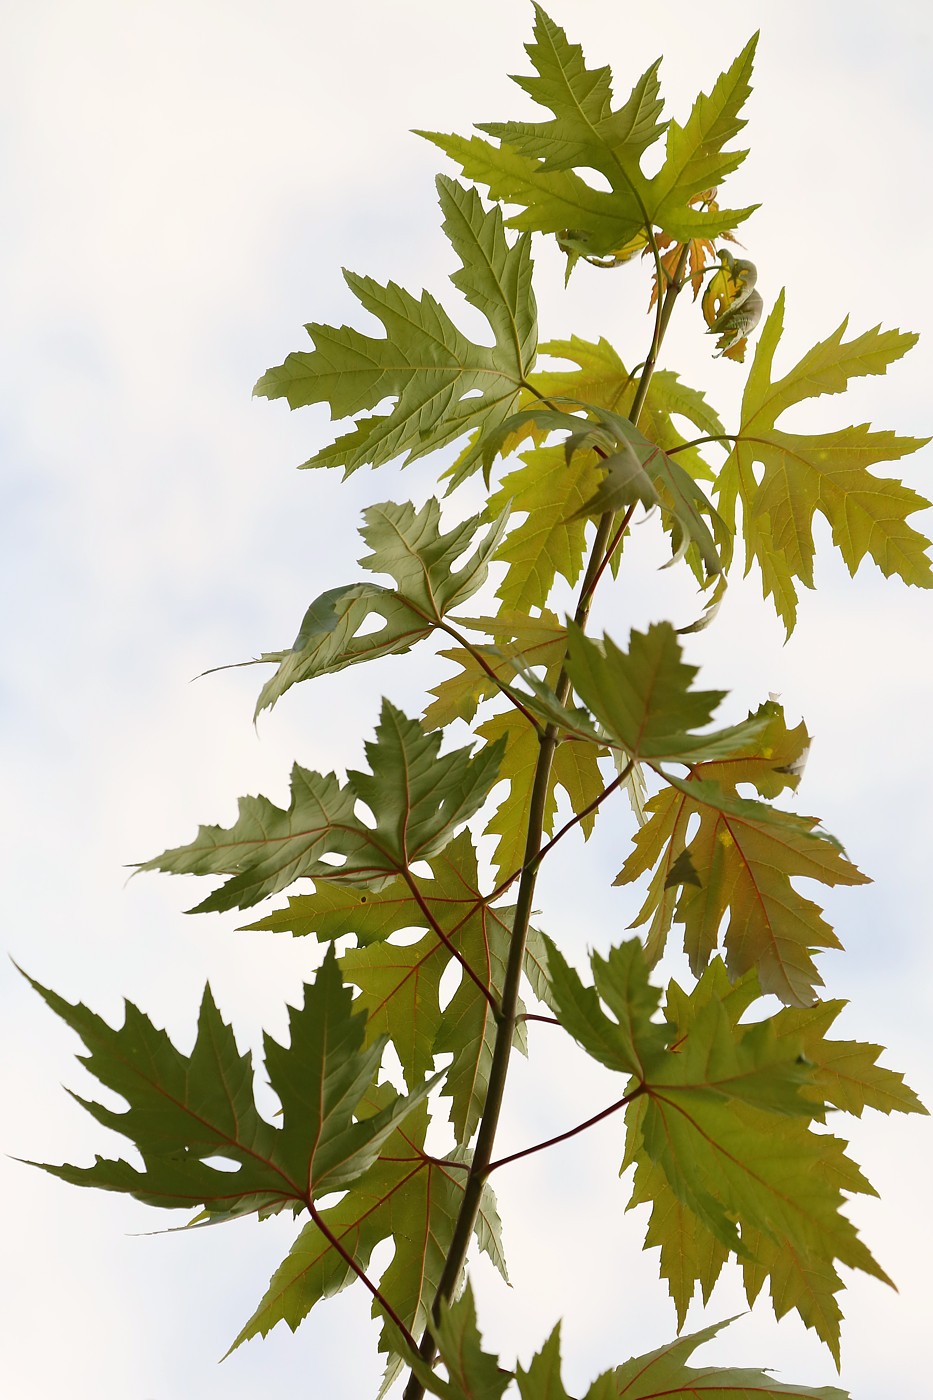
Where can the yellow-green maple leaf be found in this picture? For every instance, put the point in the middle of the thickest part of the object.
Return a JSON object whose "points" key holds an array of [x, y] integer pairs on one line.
{"points": [[536, 641], [575, 769], [551, 490], [739, 863], [535, 164], [802, 473], [839, 1073]]}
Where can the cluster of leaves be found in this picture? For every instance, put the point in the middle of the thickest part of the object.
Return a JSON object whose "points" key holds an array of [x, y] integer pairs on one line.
{"points": [[726, 1114]]}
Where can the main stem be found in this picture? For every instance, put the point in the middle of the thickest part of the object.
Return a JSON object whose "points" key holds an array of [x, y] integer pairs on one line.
{"points": [[506, 1019]]}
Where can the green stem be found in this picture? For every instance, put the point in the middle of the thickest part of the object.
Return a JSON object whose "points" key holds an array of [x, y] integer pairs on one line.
{"points": [[506, 1019]]}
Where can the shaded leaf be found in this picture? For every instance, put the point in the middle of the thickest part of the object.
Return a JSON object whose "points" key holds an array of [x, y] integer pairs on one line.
{"points": [[643, 697], [473, 1374], [627, 1042], [417, 796], [185, 1110], [409, 545], [406, 1196]]}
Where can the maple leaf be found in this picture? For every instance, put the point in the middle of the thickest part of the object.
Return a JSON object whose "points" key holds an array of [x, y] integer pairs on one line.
{"points": [[533, 641], [643, 700], [535, 163], [783, 478], [472, 1374], [719, 1128], [844, 1073], [664, 1372], [443, 384], [691, 1252], [399, 983], [552, 538], [409, 545], [552, 489], [407, 1196], [740, 863], [575, 769], [185, 1110], [417, 797], [633, 470]]}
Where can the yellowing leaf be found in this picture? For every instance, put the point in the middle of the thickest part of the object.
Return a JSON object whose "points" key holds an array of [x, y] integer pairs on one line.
{"points": [[575, 769], [552, 538], [738, 867], [802, 473], [535, 641]]}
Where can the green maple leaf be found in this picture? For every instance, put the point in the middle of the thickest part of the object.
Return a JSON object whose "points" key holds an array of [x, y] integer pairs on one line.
{"points": [[409, 545], [719, 1130], [399, 982], [185, 1110], [431, 370], [406, 1196], [782, 479], [417, 797], [575, 769], [472, 1374], [553, 491], [643, 700], [664, 1372], [532, 641], [739, 863], [630, 1039], [840, 1073], [535, 163]]}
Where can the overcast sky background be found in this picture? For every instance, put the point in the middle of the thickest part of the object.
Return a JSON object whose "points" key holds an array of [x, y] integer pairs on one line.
{"points": [[182, 184]]}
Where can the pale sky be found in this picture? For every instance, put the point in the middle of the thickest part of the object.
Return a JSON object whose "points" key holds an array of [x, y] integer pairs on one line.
{"points": [[183, 183]]}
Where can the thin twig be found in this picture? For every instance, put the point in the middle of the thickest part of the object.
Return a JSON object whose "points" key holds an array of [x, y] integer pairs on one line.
{"points": [[481, 661], [360, 1272], [571, 1132], [446, 940]]}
